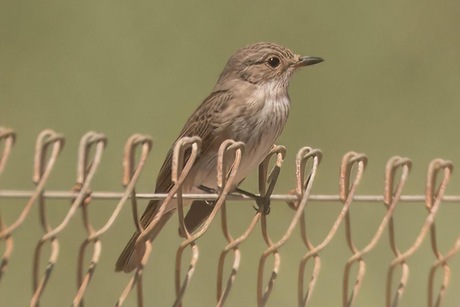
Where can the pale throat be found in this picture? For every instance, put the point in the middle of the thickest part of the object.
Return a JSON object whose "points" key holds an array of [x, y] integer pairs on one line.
{"points": [[273, 90], [271, 98], [270, 108]]}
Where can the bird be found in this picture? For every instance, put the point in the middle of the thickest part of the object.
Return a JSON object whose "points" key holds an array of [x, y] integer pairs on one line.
{"points": [[249, 103]]}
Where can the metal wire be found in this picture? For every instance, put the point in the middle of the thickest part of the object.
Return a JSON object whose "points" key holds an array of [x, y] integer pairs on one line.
{"points": [[49, 145]]}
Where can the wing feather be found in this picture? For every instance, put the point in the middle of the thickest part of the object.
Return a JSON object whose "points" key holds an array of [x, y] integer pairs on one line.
{"points": [[202, 123]]}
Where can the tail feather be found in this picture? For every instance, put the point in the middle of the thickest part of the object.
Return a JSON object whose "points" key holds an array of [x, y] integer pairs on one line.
{"points": [[197, 214], [131, 255], [126, 259]]}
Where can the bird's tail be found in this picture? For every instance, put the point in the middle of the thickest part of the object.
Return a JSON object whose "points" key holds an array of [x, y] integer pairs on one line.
{"points": [[131, 255]]}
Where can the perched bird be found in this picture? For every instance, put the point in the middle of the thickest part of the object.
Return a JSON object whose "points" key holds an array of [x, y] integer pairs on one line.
{"points": [[249, 103]]}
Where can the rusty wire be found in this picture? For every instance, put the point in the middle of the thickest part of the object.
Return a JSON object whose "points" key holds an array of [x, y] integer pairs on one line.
{"points": [[49, 145], [392, 196], [433, 199], [8, 137], [130, 176], [229, 158], [233, 244], [85, 172]]}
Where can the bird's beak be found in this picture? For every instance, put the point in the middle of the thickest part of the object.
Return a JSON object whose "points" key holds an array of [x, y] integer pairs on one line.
{"points": [[308, 60]]}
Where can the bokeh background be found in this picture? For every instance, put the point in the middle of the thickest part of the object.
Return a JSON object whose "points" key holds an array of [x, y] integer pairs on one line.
{"points": [[389, 86]]}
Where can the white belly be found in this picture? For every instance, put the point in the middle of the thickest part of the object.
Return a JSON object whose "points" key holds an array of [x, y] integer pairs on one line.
{"points": [[259, 135]]}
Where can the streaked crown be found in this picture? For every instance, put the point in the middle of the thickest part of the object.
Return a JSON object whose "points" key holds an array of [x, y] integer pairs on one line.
{"points": [[264, 62]]}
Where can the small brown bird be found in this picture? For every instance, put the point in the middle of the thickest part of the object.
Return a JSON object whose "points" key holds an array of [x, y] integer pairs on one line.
{"points": [[249, 103]]}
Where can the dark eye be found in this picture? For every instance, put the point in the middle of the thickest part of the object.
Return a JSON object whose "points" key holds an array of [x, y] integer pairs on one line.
{"points": [[274, 62]]}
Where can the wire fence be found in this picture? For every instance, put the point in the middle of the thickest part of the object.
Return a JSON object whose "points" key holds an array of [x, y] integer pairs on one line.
{"points": [[50, 143]]}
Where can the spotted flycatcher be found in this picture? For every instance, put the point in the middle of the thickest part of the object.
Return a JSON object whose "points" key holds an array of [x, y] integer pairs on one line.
{"points": [[250, 104]]}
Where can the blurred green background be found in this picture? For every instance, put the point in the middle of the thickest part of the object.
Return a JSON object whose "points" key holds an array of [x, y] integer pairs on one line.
{"points": [[389, 86]]}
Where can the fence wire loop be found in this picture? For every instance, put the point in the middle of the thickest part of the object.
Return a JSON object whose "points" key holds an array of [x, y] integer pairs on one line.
{"points": [[84, 177], [392, 196], [349, 161], [392, 187], [180, 171], [42, 170], [305, 175], [433, 198], [84, 165], [84, 153], [8, 137], [265, 193], [346, 193], [433, 193], [181, 167], [228, 162], [130, 171], [270, 178], [263, 294], [129, 165], [186, 151], [130, 176], [441, 261], [263, 204]]}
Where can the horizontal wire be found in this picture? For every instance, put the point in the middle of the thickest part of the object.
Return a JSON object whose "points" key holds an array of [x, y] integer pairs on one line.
{"points": [[211, 197]]}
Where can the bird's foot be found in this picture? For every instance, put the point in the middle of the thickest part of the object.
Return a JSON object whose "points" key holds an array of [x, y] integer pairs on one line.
{"points": [[263, 202], [209, 191]]}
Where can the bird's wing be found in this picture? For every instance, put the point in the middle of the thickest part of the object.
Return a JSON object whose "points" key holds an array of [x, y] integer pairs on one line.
{"points": [[197, 214], [202, 123], [212, 130]]}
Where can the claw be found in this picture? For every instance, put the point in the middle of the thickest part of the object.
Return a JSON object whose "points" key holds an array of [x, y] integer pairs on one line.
{"points": [[263, 203]]}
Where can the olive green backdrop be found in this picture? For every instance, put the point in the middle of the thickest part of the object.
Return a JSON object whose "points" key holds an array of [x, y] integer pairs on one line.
{"points": [[389, 86]]}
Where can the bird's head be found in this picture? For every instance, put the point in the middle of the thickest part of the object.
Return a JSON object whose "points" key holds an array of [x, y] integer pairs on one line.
{"points": [[263, 62]]}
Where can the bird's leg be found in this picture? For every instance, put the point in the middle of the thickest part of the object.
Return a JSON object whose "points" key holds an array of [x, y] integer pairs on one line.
{"points": [[261, 201], [209, 191]]}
